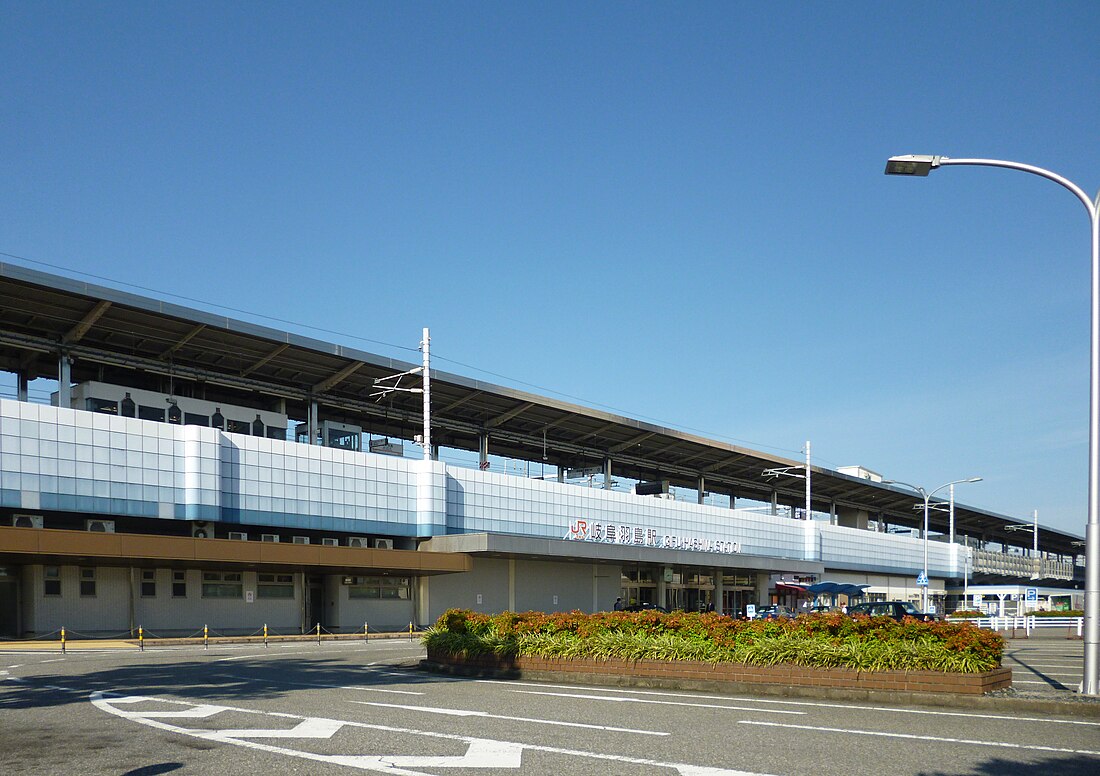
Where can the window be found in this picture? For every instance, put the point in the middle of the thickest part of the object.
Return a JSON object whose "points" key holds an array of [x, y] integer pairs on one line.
{"points": [[275, 586], [194, 419], [148, 583], [87, 582], [150, 413], [102, 405], [238, 427], [221, 584], [179, 584], [379, 587], [53, 581]]}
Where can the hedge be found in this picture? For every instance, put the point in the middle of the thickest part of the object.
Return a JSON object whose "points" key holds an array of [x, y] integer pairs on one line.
{"points": [[818, 640]]}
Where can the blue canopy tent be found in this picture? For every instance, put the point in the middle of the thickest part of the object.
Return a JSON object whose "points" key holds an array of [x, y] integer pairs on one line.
{"points": [[833, 589]]}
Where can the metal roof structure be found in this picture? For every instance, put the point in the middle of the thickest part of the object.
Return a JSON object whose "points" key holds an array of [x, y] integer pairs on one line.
{"points": [[126, 339]]}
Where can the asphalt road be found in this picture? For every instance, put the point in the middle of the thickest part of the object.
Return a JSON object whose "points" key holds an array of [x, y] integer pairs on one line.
{"points": [[348, 707]]}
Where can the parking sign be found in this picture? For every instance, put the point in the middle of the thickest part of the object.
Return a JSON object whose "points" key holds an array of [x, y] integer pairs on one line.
{"points": [[1031, 594]]}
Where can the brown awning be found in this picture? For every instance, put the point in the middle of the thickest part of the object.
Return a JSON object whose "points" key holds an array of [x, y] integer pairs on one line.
{"points": [[52, 546]]}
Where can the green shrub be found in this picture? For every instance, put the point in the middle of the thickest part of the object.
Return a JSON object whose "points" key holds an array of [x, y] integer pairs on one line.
{"points": [[820, 640], [1066, 613]]}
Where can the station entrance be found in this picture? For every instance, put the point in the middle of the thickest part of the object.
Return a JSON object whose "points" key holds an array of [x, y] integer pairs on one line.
{"points": [[686, 588]]}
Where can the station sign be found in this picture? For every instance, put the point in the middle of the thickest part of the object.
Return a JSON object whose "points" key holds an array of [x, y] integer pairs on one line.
{"points": [[624, 534]]}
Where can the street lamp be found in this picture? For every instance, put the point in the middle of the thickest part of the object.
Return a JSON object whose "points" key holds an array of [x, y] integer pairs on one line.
{"points": [[927, 494], [917, 165]]}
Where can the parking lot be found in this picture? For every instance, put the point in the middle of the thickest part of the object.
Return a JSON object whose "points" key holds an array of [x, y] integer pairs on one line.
{"points": [[342, 707]]}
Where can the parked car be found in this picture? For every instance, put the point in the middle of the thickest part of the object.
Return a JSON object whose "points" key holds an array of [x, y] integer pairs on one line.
{"points": [[774, 612], [899, 610], [645, 607], [821, 610]]}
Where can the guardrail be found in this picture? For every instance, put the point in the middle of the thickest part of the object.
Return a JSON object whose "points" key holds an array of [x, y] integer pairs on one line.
{"points": [[1027, 624]]}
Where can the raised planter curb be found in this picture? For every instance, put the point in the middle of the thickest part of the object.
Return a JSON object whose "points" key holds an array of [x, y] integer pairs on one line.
{"points": [[920, 688]]}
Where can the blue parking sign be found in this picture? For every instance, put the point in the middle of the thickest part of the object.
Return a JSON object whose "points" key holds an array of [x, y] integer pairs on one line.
{"points": [[1031, 594]]}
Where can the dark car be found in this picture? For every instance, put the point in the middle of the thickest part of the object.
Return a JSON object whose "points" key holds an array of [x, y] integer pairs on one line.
{"points": [[645, 607], [899, 610], [775, 612]]}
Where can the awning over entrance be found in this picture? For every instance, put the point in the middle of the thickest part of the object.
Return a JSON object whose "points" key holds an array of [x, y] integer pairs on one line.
{"points": [[54, 546]]}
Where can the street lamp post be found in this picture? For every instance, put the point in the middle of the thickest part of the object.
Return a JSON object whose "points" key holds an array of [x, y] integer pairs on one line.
{"points": [[918, 165], [926, 495]]}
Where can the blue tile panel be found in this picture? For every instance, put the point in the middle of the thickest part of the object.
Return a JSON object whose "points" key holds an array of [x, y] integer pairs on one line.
{"points": [[62, 459]]}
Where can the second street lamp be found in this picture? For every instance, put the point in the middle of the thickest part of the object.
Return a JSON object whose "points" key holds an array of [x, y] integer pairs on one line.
{"points": [[926, 495]]}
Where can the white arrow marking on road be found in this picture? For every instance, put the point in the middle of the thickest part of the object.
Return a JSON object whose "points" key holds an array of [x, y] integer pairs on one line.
{"points": [[659, 703], [307, 728], [487, 715], [505, 754], [481, 754]]}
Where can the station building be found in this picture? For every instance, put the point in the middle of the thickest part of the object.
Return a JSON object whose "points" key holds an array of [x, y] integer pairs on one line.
{"points": [[169, 468]]}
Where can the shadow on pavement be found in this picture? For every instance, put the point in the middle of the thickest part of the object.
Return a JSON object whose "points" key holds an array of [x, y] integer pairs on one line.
{"points": [[214, 681], [1063, 765]]}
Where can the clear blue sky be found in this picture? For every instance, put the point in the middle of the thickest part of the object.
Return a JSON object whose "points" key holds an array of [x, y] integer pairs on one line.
{"points": [[676, 211]]}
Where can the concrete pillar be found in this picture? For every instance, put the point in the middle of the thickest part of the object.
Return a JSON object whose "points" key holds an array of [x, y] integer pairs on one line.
{"points": [[483, 451], [763, 585], [662, 586], [561, 473], [719, 592], [313, 423], [851, 517], [733, 501], [702, 488], [832, 513], [22, 387], [607, 473], [64, 381], [775, 503], [435, 452]]}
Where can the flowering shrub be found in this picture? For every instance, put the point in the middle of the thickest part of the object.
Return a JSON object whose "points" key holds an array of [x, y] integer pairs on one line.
{"points": [[819, 640]]}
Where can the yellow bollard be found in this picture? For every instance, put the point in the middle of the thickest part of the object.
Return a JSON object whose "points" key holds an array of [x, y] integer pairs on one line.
{"points": [[318, 633], [62, 641], [141, 638], [410, 631], [366, 632], [205, 637], [265, 634]]}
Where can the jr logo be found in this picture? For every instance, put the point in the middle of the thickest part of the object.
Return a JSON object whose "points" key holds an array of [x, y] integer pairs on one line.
{"points": [[578, 530]]}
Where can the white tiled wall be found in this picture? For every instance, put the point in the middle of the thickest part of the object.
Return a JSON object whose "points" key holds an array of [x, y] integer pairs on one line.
{"points": [[52, 458]]}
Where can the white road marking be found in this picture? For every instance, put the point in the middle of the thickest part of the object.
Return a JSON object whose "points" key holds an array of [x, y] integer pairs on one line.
{"points": [[913, 736], [326, 686], [480, 753], [307, 728], [55, 660], [659, 703], [812, 704], [487, 715], [262, 654]]}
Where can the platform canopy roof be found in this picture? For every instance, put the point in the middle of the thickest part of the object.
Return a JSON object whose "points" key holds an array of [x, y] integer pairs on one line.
{"points": [[122, 338]]}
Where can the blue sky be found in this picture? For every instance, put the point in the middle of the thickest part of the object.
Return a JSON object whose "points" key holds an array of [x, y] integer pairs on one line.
{"points": [[676, 211]]}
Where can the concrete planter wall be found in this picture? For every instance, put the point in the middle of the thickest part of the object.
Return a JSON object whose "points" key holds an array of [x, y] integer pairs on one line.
{"points": [[733, 676]]}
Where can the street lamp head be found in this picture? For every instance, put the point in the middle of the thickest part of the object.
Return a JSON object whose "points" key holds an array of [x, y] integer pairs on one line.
{"points": [[912, 164], [974, 479]]}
